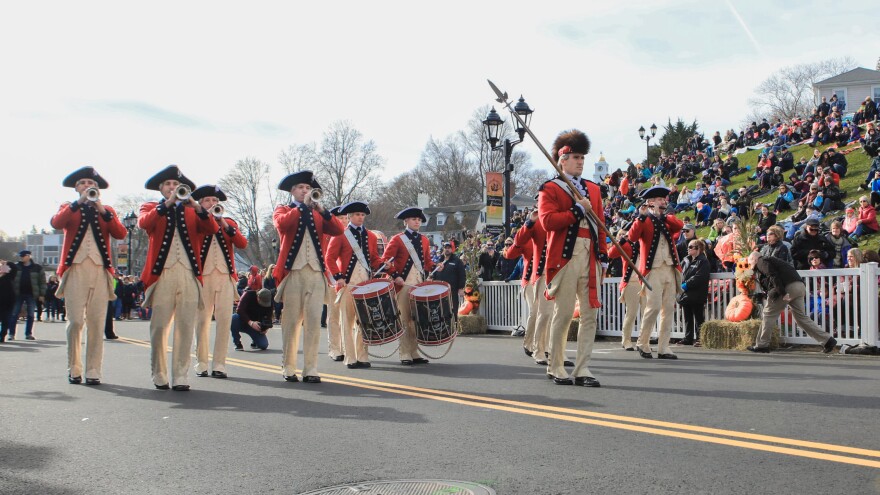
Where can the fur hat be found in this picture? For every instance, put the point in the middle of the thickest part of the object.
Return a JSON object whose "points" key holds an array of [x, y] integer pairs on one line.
{"points": [[575, 140]]}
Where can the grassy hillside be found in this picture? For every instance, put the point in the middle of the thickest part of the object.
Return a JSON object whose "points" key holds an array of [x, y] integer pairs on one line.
{"points": [[859, 163]]}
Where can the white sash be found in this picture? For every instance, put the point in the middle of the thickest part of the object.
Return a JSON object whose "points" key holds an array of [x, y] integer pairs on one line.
{"points": [[589, 219], [356, 248], [412, 253]]}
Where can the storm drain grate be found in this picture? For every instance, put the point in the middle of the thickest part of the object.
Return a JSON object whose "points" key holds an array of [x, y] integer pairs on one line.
{"points": [[406, 487]]}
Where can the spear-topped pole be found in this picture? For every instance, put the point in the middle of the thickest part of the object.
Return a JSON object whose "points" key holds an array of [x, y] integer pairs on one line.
{"points": [[501, 97]]}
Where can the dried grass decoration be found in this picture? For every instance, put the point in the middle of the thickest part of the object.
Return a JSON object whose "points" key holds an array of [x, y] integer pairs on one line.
{"points": [[723, 334]]}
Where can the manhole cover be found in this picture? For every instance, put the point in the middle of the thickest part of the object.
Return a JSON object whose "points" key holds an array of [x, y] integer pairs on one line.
{"points": [[406, 487]]}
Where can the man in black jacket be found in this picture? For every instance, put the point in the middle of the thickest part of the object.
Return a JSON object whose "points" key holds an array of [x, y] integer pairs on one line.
{"points": [[807, 240], [450, 269], [29, 285], [254, 317], [784, 287]]}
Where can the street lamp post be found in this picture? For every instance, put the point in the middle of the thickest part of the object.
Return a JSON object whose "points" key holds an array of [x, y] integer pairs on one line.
{"points": [[647, 139], [130, 221], [493, 125], [275, 247]]}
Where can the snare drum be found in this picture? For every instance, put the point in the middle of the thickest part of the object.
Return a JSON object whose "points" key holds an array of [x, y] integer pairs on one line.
{"points": [[432, 312], [376, 307]]}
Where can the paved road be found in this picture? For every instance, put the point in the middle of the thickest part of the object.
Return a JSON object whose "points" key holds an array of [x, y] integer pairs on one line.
{"points": [[711, 422]]}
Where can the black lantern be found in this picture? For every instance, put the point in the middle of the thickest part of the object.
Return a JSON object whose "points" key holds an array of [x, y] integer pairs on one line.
{"points": [[522, 109], [493, 125], [642, 132], [653, 130], [130, 220]]}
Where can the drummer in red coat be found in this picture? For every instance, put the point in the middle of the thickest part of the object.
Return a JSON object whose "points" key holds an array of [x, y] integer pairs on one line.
{"points": [[658, 261], [300, 273], [86, 271], [173, 273], [219, 279], [408, 270], [575, 250], [352, 258]]}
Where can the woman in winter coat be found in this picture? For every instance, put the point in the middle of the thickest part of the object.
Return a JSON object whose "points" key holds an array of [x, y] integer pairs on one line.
{"points": [[695, 284], [775, 246]]}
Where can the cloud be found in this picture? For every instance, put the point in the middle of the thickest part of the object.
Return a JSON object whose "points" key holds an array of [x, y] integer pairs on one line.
{"points": [[150, 112]]}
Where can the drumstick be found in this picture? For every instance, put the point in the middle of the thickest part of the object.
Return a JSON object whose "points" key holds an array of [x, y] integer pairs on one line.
{"points": [[377, 272]]}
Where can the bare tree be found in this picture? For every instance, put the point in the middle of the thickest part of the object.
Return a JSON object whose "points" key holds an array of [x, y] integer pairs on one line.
{"points": [[243, 186], [788, 92]]}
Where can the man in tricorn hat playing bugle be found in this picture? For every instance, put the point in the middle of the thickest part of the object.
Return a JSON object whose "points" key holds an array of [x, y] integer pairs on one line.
{"points": [[299, 272], [658, 261], [172, 276], [575, 250], [86, 270], [217, 256]]}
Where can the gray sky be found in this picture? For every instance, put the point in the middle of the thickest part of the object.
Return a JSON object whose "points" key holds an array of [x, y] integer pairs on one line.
{"points": [[132, 87]]}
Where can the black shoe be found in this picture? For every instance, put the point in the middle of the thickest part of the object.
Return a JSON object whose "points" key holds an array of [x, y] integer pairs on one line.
{"points": [[219, 374], [420, 361], [829, 345], [162, 387], [30, 337], [762, 350], [93, 381], [528, 352], [568, 363], [541, 362], [112, 336], [253, 345], [646, 355], [668, 355], [406, 362], [629, 348], [586, 381], [180, 388], [341, 357], [311, 379], [365, 364], [202, 374], [291, 378], [239, 347], [74, 380], [562, 381], [353, 366]]}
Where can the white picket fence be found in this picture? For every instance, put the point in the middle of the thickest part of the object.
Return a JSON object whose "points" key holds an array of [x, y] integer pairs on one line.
{"points": [[852, 312]]}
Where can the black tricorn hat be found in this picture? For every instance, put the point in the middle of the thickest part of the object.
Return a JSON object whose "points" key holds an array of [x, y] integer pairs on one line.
{"points": [[85, 173], [171, 172], [302, 177], [411, 213], [575, 140], [655, 192], [208, 190], [354, 207], [315, 184], [335, 211]]}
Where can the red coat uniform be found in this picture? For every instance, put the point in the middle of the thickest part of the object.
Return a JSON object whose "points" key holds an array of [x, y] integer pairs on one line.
{"points": [[631, 250], [341, 260], [522, 246], [228, 240], [643, 230], [561, 218], [534, 234], [402, 263], [154, 219], [77, 221], [293, 223]]}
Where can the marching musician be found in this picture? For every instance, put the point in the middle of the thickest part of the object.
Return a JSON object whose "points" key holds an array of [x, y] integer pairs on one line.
{"points": [[575, 248], [658, 261], [299, 272], [173, 274], [629, 292], [337, 345], [411, 257], [86, 271], [531, 240], [352, 258], [217, 257]]}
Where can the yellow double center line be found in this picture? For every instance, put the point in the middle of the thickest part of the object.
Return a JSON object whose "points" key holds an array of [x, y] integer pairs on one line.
{"points": [[753, 441]]}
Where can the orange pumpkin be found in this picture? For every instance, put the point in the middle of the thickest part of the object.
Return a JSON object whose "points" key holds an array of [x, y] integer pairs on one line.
{"points": [[739, 309]]}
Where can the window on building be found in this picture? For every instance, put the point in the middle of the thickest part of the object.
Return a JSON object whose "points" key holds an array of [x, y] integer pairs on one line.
{"points": [[875, 94], [441, 219], [50, 249]]}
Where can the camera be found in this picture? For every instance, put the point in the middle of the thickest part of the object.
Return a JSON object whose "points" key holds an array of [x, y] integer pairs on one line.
{"points": [[266, 323]]}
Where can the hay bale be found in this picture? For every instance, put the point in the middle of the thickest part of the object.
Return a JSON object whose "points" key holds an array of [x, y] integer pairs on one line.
{"points": [[471, 324], [723, 334]]}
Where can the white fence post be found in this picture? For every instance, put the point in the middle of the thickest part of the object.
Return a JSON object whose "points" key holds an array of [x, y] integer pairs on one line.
{"points": [[868, 303]]}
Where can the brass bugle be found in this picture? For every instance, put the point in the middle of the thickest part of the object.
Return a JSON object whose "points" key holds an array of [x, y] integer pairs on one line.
{"points": [[93, 194], [315, 196], [183, 192], [217, 210]]}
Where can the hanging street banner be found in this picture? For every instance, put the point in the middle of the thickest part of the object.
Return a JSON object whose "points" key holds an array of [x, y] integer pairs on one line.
{"points": [[494, 202]]}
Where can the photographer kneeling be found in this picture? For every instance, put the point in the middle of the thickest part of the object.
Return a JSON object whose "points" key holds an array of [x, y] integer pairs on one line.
{"points": [[254, 317]]}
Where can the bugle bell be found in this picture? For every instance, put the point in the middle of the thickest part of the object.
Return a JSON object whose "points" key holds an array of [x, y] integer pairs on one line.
{"points": [[217, 210], [314, 196], [93, 194], [183, 192]]}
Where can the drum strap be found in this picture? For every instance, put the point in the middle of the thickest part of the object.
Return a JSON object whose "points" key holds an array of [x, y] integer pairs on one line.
{"points": [[358, 252], [417, 262]]}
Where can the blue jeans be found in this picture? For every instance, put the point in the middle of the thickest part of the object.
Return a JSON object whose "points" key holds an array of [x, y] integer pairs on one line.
{"points": [[16, 310], [239, 327]]}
